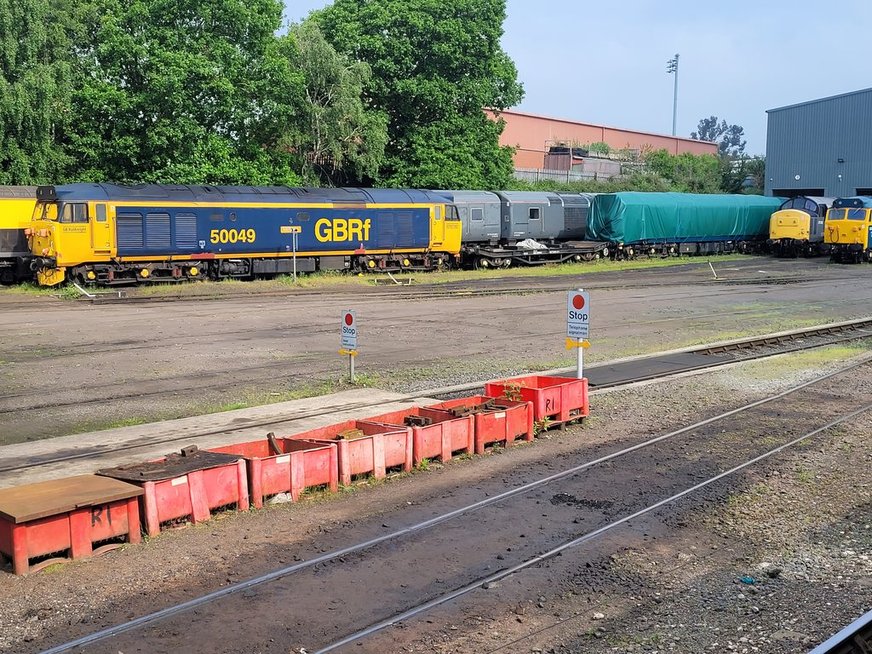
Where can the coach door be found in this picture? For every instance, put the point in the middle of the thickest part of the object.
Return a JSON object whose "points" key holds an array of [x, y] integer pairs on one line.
{"points": [[101, 230]]}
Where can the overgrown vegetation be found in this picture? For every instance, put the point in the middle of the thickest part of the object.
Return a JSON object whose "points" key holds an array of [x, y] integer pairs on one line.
{"points": [[215, 91]]}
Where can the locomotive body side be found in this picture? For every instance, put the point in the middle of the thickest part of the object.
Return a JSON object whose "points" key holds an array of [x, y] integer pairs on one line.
{"points": [[107, 235]]}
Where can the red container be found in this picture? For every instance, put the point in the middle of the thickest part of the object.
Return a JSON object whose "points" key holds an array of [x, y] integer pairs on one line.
{"points": [[495, 421], [67, 517], [381, 447], [186, 486], [298, 465], [441, 439], [560, 399]]}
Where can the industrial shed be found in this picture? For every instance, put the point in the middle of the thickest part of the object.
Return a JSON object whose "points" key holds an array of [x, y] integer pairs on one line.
{"points": [[538, 140], [821, 148]]}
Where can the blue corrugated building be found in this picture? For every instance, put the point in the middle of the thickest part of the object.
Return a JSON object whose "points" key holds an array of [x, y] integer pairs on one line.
{"points": [[821, 148]]}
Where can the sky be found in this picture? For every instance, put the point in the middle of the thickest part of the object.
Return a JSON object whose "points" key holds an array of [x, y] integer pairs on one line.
{"points": [[605, 62]]}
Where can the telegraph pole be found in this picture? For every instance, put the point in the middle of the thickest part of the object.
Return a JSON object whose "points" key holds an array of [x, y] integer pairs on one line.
{"points": [[672, 69]]}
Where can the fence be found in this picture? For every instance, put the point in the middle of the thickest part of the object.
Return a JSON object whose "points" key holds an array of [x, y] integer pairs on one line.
{"points": [[537, 174]]}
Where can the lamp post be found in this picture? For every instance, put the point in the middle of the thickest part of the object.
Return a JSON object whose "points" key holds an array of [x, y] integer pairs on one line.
{"points": [[672, 69]]}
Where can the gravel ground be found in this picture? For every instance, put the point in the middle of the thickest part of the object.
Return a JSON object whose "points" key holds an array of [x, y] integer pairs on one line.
{"points": [[69, 367], [803, 524], [779, 566]]}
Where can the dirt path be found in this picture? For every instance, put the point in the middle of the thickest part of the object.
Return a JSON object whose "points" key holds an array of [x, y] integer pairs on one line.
{"points": [[67, 367]]}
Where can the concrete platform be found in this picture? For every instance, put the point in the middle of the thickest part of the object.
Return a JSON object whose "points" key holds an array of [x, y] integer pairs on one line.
{"points": [[85, 453], [608, 374]]}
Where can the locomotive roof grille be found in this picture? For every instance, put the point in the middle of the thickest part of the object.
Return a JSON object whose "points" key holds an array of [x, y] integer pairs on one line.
{"points": [[858, 202], [230, 194], [46, 193]]}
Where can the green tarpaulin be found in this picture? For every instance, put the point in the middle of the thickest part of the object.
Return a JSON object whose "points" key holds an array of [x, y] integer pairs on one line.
{"points": [[679, 217]]}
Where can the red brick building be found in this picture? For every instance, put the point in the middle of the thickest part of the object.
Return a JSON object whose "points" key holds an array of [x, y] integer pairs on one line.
{"points": [[534, 135]]}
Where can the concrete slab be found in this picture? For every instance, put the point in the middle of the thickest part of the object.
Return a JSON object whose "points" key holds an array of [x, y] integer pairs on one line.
{"points": [[614, 373], [52, 458]]}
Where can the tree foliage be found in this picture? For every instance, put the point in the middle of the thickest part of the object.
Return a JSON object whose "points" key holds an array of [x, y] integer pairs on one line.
{"points": [[435, 66], [339, 140], [35, 70], [730, 138], [689, 173], [191, 91]]}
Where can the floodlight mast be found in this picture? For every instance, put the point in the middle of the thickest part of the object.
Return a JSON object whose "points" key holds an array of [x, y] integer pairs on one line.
{"points": [[672, 69]]}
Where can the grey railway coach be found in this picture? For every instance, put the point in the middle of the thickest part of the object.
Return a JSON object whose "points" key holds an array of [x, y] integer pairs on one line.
{"points": [[479, 214], [523, 227]]}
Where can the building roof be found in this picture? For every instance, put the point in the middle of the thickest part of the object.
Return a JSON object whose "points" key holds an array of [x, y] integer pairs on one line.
{"points": [[514, 112], [826, 99]]}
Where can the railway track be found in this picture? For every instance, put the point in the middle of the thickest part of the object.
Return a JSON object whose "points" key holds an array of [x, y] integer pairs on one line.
{"points": [[485, 286], [478, 288], [856, 638], [15, 402], [691, 460], [632, 371]]}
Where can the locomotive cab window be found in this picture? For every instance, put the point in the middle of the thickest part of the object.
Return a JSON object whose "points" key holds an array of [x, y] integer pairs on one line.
{"points": [[452, 213], [101, 213], [74, 212], [46, 211], [534, 213], [438, 212]]}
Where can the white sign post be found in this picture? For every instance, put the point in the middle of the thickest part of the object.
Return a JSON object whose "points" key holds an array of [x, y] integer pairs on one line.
{"points": [[293, 230], [578, 324], [348, 340]]}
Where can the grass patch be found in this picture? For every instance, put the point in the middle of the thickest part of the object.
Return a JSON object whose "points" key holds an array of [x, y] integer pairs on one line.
{"points": [[64, 292], [127, 422], [775, 368], [804, 475]]}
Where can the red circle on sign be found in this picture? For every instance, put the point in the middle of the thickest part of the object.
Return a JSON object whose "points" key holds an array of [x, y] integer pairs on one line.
{"points": [[578, 301], [349, 319]]}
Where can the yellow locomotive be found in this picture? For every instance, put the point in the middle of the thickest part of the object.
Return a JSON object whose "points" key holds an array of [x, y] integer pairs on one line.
{"points": [[111, 234], [16, 210], [797, 228], [848, 229]]}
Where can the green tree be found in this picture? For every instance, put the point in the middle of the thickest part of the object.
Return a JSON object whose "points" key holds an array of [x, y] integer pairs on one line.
{"points": [[340, 141], [688, 173], [730, 138], [35, 71], [743, 174], [184, 91], [436, 65]]}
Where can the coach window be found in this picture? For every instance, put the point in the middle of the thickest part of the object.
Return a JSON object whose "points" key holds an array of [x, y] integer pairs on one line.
{"points": [[477, 214], [534, 213], [101, 213]]}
